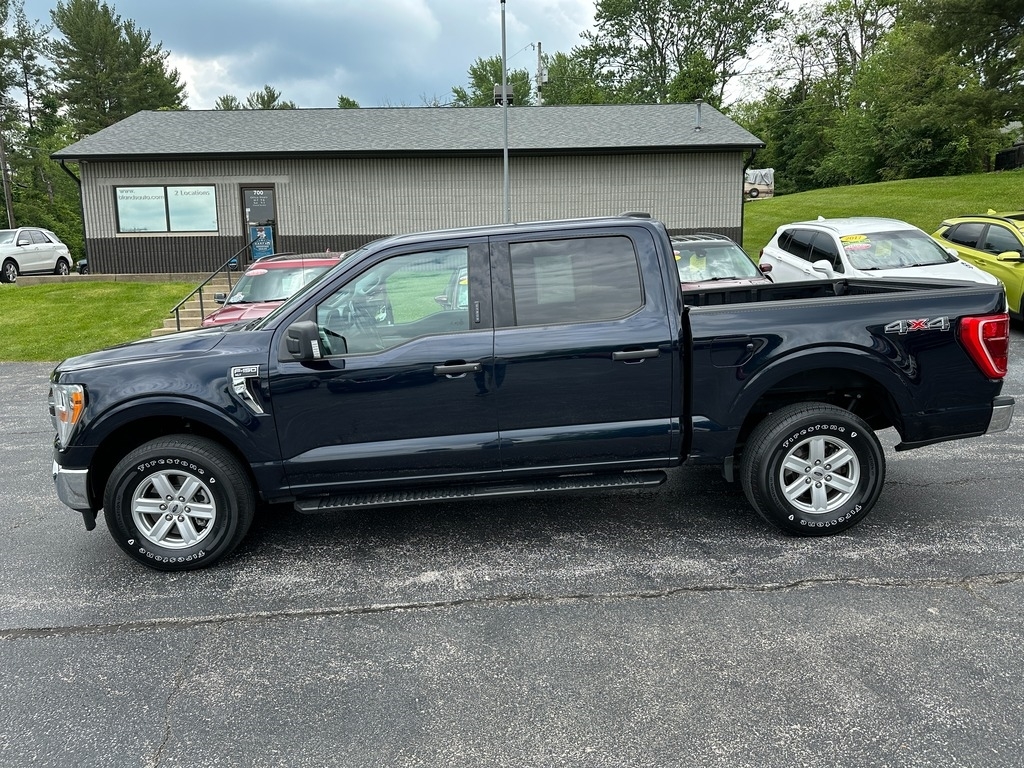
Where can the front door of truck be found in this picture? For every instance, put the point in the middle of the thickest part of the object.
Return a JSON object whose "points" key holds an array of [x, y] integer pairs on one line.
{"points": [[401, 392], [586, 368]]}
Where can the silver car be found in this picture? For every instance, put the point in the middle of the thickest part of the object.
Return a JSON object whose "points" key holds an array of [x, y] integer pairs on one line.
{"points": [[29, 250]]}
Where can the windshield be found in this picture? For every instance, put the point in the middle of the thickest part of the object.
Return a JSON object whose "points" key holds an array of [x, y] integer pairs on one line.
{"points": [[303, 290], [6, 236], [712, 261], [893, 250], [258, 285]]}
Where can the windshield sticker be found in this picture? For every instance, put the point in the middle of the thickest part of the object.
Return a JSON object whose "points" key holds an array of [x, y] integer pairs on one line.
{"points": [[855, 242]]}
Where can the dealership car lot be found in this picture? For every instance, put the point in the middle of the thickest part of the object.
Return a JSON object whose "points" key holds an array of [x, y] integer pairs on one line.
{"points": [[616, 629]]}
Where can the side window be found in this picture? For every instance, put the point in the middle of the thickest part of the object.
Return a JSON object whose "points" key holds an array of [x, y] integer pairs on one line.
{"points": [[825, 250], [397, 300], [965, 234], [800, 243], [572, 281], [999, 240], [38, 237], [25, 237]]}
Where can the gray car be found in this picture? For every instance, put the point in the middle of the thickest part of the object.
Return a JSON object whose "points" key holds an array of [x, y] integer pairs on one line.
{"points": [[29, 250]]}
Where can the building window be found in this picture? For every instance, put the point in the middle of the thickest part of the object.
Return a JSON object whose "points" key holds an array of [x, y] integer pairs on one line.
{"points": [[166, 209]]}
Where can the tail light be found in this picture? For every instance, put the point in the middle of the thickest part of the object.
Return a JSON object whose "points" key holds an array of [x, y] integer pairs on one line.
{"points": [[987, 341]]}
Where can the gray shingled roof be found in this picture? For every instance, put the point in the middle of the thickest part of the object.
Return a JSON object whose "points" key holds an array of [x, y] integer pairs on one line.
{"points": [[412, 131]]}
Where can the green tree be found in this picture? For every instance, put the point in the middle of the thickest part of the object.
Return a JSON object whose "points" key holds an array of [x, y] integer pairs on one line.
{"points": [[27, 51], [227, 101], [484, 74], [574, 79], [913, 113], [656, 49], [268, 98], [107, 69], [344, 102]]}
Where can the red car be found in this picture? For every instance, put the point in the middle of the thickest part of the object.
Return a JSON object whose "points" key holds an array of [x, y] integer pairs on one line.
{"points": [[267, 283], [707, 259]]}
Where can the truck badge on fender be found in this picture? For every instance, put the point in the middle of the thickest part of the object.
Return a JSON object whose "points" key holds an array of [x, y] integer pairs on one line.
{"points": [[903, 327]]}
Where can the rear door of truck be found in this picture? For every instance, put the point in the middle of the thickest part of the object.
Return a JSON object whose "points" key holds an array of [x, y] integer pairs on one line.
{"points": [[587, 361]]}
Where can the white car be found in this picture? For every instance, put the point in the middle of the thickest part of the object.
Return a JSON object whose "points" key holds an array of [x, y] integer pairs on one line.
{"points": [[862, 247], [30, 249]]}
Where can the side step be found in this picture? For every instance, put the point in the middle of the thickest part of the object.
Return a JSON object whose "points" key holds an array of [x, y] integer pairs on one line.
{"points": [[448, 493]]}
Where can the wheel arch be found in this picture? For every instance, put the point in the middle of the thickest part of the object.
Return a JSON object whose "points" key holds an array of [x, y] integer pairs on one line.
{"points": [[849, 379], [124, 429]]}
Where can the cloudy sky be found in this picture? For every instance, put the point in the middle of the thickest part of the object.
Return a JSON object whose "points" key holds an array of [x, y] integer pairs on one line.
{"points": [[378, 52]]}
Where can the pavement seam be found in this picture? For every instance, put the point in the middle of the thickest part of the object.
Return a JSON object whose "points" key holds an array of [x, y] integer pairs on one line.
{"points": [[988, 580]]}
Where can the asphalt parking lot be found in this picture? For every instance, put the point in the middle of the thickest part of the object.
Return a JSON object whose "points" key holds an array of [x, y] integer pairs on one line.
{"points": [[641, 629]]}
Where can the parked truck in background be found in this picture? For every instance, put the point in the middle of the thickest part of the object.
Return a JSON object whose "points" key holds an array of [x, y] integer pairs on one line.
{"points": [[519, 359]]}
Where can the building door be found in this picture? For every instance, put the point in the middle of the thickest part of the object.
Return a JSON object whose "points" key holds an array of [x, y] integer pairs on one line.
{"points": [[260, 220]]}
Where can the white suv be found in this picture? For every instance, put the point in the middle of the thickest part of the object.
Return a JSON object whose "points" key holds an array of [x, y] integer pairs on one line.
{"points": [[863, 247], [31, 249]]}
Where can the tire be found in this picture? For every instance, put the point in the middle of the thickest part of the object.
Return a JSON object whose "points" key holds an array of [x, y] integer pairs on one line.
{"points": [[9, 272], [83, 269], [62, 268], [753, 193], [834, 451], [214, 503]]}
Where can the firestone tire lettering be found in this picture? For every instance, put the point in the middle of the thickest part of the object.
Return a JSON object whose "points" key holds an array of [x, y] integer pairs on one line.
{"points": [[195, 530], [812, 469]]}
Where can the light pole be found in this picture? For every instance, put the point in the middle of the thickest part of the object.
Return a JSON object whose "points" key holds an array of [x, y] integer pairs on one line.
{"points": [[504, 115]]}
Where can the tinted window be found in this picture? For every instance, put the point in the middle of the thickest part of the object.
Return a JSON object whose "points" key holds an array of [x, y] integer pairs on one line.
{"points": [[825, 250], [800, 243], [999, 240], [579, 280], [965, 234], [395, 301], [38, 237]]}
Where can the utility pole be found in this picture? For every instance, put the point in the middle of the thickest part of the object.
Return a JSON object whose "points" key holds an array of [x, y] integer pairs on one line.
{"points": [[504, 116], [542, 77]]}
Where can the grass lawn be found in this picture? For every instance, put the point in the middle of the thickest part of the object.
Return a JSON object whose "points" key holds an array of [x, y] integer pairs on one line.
{"points": [[52, 322], [921, 202]]}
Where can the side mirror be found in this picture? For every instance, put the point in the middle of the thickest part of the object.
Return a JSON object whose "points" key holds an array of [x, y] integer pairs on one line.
{"points": [[953, 252], [765, 267], [220, 298], [824, 267], [443, 301], [1010, 256], [302, 340]]}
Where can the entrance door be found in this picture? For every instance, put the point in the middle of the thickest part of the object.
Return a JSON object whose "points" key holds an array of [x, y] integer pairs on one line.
{"points": [[260, 220]]}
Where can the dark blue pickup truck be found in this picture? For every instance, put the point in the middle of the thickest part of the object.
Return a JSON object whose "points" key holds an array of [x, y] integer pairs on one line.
{"points": [[520, 359]]}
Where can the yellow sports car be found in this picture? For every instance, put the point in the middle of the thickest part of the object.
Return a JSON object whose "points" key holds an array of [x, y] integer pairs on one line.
{"points": [[993, 242]]}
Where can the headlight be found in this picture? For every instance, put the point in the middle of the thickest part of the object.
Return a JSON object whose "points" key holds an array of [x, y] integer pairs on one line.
{"points": [[67, 404]]}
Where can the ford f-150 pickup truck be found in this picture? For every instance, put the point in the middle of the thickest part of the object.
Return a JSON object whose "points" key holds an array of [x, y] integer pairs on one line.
{"points": [[517, 359]]}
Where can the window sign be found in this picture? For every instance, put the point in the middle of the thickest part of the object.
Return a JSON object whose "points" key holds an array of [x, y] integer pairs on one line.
{"points": [[192, 209], [167, 209], [141, 209]]}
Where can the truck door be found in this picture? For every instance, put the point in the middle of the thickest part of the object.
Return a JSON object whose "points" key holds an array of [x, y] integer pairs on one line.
{"points": [[586, 367], [402, 391]]}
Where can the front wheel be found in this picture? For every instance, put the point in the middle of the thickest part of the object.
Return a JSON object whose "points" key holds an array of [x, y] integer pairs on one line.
{"points": [[813, 469], [178, 503], [9, 272]]}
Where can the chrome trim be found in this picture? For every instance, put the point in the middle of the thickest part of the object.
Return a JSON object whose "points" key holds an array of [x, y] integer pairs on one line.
{"points": [[1002, 414], [72, 487]]}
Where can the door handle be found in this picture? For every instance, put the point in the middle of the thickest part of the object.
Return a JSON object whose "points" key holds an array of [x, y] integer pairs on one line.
{"points": [[635, 354], [454, 370]]}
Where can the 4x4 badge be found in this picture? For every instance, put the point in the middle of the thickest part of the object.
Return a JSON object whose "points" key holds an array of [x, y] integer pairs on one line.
{"points": [[923, 324]]}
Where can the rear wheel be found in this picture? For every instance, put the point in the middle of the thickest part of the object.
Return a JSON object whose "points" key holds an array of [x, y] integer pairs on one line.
{"points": [[62, 268], [9, 271], [178, 503], [753, 193], [813, 469]]}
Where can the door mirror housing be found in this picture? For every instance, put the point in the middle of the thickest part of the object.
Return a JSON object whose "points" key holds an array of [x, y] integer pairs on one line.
{"points": [[302, 341], [824, 267], [1010, 256]]}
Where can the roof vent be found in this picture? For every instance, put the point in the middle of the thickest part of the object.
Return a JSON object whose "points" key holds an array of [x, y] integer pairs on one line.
{"points": [[698, 102]]}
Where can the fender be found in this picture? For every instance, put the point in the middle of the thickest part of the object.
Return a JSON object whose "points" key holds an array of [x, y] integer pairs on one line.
{"points": [[715, 434]]}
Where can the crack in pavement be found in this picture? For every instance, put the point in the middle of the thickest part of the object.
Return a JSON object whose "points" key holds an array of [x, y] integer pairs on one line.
{"points": [[982, 580]]}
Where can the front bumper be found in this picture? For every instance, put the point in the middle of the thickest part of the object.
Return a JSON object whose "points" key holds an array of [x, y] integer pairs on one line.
{"points": [[72, 487]]}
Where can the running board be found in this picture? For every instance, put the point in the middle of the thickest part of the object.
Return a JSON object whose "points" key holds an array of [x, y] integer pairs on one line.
{"points": [[644, 479]]}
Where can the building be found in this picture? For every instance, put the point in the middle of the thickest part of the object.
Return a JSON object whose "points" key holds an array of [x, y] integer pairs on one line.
{"points": [[182, 191]]}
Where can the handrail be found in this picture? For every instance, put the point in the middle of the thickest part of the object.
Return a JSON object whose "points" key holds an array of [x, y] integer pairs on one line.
{"points": [[225, 267]]}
